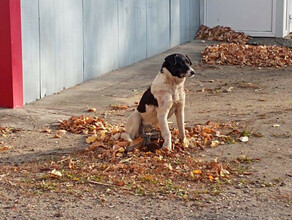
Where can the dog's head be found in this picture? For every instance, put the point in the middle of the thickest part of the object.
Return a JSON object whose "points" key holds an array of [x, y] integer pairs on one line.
{"points": [[178, 65]]}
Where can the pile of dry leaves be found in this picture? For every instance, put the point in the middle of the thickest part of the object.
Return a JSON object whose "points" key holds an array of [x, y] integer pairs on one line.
{"points": [[247, 55], [237, 52], [89, 125], [174, 173], [220, 33], [179, 173], [109, 136]]}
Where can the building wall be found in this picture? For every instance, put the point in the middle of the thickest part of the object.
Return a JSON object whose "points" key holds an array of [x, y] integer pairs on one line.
{"points": [[266, 18], [67, 42], [287, 17]]}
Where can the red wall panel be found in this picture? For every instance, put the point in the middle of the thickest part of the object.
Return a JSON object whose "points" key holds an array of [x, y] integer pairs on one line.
{"points": [[11, 87]]}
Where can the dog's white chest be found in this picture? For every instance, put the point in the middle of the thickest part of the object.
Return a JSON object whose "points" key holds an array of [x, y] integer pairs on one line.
{"points": [[169, 93], [178, 95]]}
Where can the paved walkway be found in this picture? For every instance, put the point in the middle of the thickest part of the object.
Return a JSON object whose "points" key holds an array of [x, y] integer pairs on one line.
{"points": [[118, 86]]}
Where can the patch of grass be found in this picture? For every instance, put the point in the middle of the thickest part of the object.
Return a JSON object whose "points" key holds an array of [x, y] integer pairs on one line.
{"points": [[229, 140], [46, 186], [215, 190], [248, 132], [245, 134], [140, 191], [246, 159]]}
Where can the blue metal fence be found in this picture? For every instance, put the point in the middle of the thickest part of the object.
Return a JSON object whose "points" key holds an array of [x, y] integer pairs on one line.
{"points": [[69, 41]]}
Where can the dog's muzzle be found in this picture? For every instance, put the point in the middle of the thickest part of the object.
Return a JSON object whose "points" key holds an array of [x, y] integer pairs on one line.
{"points": [[190, 73]]}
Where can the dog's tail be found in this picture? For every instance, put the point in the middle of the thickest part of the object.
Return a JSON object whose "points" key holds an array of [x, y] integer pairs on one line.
{"points": [[134, 125]]}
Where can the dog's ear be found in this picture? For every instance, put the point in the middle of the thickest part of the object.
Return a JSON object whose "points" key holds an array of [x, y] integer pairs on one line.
{"points": [[171, 59], [188, 59]]}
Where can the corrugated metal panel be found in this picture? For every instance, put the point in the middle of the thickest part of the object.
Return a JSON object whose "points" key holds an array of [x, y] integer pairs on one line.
{"points": [[194, 17], [69, 41], [30, 50], [158, 28], [47, 48], [184, 21], [174, 23], [132, 31], [61, 45], [100, 37]]}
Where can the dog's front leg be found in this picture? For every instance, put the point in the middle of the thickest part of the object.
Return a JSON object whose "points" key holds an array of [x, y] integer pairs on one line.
{"points": [[162, 114], [180, 119], [165, 133]]}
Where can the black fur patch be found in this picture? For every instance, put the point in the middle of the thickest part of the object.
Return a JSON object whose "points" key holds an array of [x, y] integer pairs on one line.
{"points": [[147, 99]]}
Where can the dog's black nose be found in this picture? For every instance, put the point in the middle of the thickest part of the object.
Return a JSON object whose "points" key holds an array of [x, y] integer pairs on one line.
{"points": [[192, 73]]}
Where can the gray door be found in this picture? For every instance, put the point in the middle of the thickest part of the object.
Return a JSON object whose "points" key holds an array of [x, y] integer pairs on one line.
{"points": [[254, 17]]}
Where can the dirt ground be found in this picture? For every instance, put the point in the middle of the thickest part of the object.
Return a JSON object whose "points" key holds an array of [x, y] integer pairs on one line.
{"points": [[259, 99]]}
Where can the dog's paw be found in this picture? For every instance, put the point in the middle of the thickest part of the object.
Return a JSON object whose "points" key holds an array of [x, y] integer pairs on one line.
{"points": [[126, 137], [185, 142], [166, 147]]}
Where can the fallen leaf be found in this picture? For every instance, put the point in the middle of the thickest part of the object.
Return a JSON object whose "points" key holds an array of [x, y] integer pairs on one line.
{"points": [[228, 90], [7, 147], [57, 136], [119, 182], [207, 130], [91, 139], [2, 176], [92, 110], [242, 157], [127, 160], [119, 107], [123, 143], [60, 133], [214, 143], [46, 130], [71, 164], [95, 145], [168, 165], [224, 172], [54, 172], [197, 171], [205, 141]]}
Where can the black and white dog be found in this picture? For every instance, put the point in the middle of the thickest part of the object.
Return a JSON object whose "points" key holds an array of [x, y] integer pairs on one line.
{"points": [[165, 97]]}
